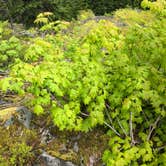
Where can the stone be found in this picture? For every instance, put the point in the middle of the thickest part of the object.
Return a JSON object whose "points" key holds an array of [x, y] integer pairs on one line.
{"points": [[54, 161], [75, 147], [24, 117]]}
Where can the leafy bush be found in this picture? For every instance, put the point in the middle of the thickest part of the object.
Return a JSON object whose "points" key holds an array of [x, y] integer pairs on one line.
{"points": [[98, 74], [9, 51], [134, 16], [20, 154], [5, 31], [142, 137], [47, 25], [56, 72]]}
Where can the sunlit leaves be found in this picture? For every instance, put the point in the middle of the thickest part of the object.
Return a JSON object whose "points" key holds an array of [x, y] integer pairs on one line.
{"points": [[96, 74], [43, 18], [9, 51], [38, 110]]}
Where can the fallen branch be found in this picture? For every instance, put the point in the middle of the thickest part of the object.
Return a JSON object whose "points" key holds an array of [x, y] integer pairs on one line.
{"points": [[84, 114], [112, 128], [153, 127], [161, 147], [131, 131], [110, 119], [124, 131], [108, 125]]}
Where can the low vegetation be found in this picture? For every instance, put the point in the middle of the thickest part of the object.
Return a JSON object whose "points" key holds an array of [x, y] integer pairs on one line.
{"points": [[88, 73]]}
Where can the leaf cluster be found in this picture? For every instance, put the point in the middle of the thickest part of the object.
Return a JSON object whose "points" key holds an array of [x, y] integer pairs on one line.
{"points": [[98, 74]]}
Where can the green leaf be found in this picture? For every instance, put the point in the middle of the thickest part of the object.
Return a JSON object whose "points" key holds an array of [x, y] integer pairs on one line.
{"points": [[38, 109]]}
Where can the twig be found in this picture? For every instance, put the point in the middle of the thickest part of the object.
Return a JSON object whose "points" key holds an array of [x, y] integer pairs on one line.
{"points": [[122, 127], [153, 127], [131, 130], [112, 128], [84, 114], [161, 147], [108, 114]]}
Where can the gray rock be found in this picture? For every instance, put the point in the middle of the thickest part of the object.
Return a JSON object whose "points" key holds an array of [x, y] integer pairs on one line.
{"points": [[49, 160], [24, 117], [53, 161], [2, 102], [68, 163], [75, 147], [9, 122]]}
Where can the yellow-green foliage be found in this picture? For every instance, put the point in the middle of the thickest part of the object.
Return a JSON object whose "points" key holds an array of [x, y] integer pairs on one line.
{"points": [[158, 7], [132, 17], [40, 49], [9, 51], [57, 75], [146, 46], [15, 146], [5, 31], [94, 74], [20, 154], [85, 14], [43, 18]]}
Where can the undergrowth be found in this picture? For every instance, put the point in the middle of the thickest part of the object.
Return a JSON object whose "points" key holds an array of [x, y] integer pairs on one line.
{"points": [[95, 74]]}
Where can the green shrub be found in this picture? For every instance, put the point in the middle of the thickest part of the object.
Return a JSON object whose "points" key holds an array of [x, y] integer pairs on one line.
{"points": [[9, 51], [5, 31], [140, 117], [97, 74], [55, 72], [20, 154], [134, 16]]}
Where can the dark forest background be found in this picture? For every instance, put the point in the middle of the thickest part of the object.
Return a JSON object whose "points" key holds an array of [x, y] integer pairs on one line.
{"points": [[25, 11]]}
